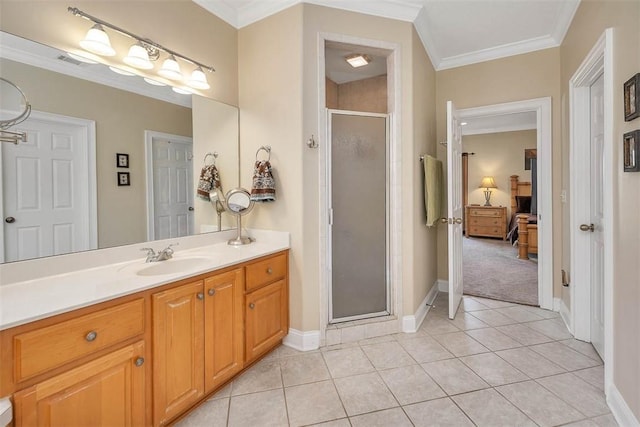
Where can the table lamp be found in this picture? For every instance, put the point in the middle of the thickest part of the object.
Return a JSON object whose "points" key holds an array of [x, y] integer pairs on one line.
{"points": [[487, 183]]}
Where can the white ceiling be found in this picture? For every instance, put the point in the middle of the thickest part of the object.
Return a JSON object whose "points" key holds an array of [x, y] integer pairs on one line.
{"points": [[500, 123], [454, 32]]}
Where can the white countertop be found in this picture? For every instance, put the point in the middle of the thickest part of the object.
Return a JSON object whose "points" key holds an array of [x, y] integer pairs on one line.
{"points": [[31, 300]]}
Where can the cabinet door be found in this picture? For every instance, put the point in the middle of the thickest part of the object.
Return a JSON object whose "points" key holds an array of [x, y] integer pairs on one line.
{"points": [[223, 351], [266, 318], [109, 391], [178, 377]]}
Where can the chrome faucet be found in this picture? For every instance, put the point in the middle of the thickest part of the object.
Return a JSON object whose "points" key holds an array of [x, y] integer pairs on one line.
{"points": [[163, 255]]}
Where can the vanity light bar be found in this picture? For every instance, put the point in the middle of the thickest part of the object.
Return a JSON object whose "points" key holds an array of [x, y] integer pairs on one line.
{"points": [[145, 42]]}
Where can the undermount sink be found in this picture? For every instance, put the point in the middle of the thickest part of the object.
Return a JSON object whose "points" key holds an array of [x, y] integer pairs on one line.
{"points": [[172, 266]]}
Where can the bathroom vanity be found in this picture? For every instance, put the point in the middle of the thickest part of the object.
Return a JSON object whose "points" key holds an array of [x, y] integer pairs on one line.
{"points": [[174, 332]]}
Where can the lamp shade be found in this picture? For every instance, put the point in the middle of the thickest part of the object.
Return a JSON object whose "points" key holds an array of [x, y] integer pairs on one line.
{"points": [[138, 57], [97, 41], [198, 79], [170, 69], [488, 182]]}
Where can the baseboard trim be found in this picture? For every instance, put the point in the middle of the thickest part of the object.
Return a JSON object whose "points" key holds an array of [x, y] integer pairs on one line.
{"points": [[443, 285], [411, 323], [302, 340], [560, 307], [619, 408]]}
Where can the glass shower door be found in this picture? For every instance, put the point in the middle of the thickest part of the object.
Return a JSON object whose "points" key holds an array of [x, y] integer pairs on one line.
{"points": [[359, 218]]}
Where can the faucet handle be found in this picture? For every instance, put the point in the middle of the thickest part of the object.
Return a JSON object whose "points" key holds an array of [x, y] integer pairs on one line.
{"points": [[149, 251], [168, 248]]}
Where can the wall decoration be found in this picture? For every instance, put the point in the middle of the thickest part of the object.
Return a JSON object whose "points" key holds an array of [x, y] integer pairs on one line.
{"points": [[529, 153], [123, 179], [632, 98], [122, 160], [631, 151]]}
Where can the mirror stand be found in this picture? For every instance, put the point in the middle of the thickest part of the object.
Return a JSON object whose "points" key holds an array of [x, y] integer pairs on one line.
{"points": [[237, 202], [240, 239]]}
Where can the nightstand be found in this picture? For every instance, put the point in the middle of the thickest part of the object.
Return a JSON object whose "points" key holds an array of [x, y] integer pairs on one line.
{"points": [[486, 221]]}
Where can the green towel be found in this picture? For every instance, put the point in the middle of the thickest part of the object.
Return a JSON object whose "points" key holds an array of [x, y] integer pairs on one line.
{"points": [[432, 189]]}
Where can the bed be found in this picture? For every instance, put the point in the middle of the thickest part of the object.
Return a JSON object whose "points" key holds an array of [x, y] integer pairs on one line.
{"points": [[523, 226]]}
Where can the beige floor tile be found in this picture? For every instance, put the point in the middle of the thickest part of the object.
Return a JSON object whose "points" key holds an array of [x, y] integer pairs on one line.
{"points": [[519, 314], [222, 393], [438, 325], [389, 417], [387, 355], [605, 421], [364, 393], [343, 422], [465, 321], [411, 384], [545, 314], [492, 303], [303, 369], [425, 349], [439, 412], [585, 348], [530, 363], [594, 376], [493, 369], [460, 344], [539, 404], [266, 408], [264, 375], [493, 318], [578, 393], [581, 423], [470, 304], [493, 339], [488, 408], [345, 362], [454, 377], [376, 340], [550, 328], [210, 413], [524, 334], [564, 356], [313, 403]]}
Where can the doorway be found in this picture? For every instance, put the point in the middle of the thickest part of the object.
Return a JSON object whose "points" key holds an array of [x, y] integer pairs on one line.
{"points": [[48, 203], [170, 188], [359, 211]]}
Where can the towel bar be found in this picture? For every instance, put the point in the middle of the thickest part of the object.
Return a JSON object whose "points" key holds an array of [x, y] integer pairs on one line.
{"points": [[214, 155]]}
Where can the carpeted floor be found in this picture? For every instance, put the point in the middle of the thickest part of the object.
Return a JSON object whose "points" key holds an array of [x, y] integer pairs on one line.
{"points": [[491, 269]]}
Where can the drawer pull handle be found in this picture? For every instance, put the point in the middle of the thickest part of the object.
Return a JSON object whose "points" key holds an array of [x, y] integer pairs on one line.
{"points": [[252, 306], [139, 361], [269, 270], [200, 295], [211, 292], [91, 336]]}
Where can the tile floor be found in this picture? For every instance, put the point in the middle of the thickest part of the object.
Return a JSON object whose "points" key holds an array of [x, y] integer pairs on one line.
{"points": [[497, 364]]}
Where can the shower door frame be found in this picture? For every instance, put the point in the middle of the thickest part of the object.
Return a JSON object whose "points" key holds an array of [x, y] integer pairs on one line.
{"points": [[329, 241]]}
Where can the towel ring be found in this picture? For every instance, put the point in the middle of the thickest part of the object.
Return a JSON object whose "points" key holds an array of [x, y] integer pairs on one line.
{"points": [[266, 148], [214, 155]]}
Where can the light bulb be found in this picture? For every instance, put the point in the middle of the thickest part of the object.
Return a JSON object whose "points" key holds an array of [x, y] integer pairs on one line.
{"points": [[138, 57], [170, 69], [198, 79], [97, 41]]}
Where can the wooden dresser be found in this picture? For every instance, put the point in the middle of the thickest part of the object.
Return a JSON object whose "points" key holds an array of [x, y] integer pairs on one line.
{"points": [[486, 221]]}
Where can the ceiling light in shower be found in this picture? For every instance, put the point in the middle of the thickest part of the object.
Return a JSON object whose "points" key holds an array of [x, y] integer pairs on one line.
{"points": [[97, 41], [358, 60]]}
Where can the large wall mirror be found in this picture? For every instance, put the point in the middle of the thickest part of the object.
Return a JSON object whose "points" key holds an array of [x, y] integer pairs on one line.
{"points": [[120, 158]]}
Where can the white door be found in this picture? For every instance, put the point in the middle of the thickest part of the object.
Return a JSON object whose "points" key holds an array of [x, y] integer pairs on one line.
{"points": [[172, 187], [454, 207], [46, 199], [596, 211]]}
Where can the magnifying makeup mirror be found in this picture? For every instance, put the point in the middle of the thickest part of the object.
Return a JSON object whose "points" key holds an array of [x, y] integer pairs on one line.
{"points": [[238, 203], [14, 109]]}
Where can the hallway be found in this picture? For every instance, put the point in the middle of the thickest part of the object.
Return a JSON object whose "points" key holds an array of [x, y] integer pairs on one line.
{"points": [[496, 364]]}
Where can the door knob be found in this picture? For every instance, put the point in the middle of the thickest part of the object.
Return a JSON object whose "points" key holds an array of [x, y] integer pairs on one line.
{"points": [[191, 209], [9, 220], [444, 220], [458, 220], [585, 227]]}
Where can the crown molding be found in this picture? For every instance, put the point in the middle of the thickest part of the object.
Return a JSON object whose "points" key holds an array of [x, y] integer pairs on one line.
{"points": [[392, 9], [564, 18], [421, 25]]}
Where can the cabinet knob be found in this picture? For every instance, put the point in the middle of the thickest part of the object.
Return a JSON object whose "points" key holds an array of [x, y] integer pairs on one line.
{"points": [[200, 295], [211, 292], [91, 336], [252, 306], [139, 361], [269, 270]]}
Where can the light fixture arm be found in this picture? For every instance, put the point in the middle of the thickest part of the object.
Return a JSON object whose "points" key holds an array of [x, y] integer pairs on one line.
{"points": [[145, 42]]}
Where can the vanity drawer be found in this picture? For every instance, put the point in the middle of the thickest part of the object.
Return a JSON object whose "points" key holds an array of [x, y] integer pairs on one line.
{"points": [[266, 271], [42, 349]]}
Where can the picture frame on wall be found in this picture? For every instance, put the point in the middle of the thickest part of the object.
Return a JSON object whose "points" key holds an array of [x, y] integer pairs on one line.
{"points": [[631, 151], [632, 98], [122, 160], [123, 179]]}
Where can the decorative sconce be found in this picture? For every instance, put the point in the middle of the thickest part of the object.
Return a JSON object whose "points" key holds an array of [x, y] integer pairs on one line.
{"points": [[142, 54], [487, 183]]}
